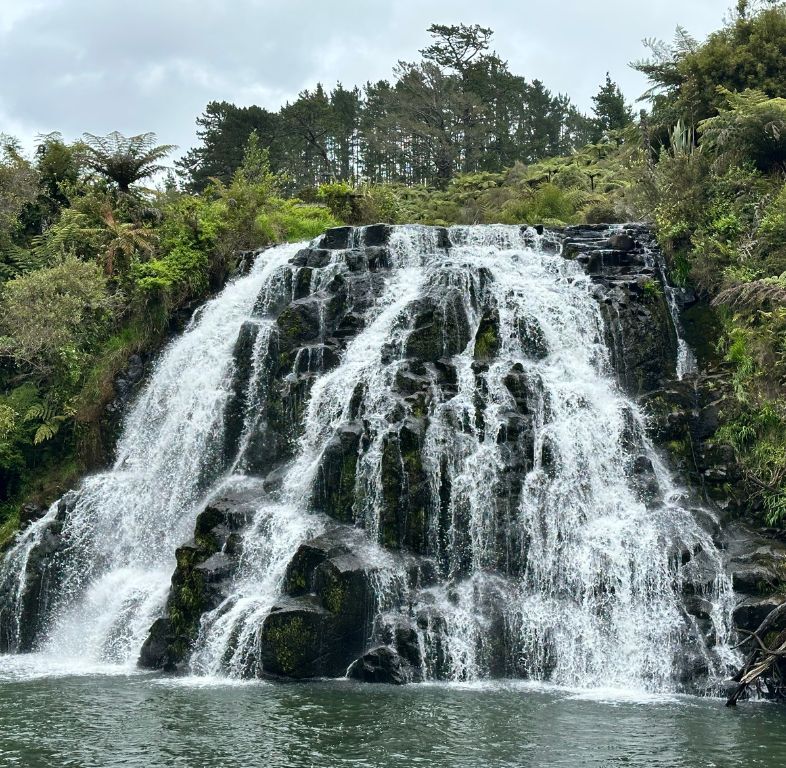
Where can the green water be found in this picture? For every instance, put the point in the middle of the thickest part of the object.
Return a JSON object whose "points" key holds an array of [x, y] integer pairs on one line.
{"points": [[138, 720]]}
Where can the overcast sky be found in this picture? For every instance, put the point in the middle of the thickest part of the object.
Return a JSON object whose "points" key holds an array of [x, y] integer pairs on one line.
{"points": [[152, 65]]}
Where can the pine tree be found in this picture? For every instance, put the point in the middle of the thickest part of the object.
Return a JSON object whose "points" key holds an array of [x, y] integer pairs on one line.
{"points": [[611, 111]]}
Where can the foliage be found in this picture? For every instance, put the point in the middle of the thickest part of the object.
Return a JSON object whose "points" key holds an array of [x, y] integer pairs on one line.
{"points": [[18, 190], [124, 160], [749, 128], [747, 53], [51, 317]]}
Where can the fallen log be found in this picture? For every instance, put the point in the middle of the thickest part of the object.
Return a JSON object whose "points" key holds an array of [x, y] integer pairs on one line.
{"points": [[763, 665]]}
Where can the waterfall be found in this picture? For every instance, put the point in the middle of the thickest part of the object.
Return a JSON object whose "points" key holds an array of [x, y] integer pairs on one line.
{"points": [[122, 526], [477, 362], [686, 360]]}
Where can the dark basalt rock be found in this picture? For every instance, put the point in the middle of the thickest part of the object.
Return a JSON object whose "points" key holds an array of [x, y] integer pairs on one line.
{"points": [[299, 639], [24, 616], [323, 623], [621, 242], [757, 564], [201, 581], [376, 235], [752, 611], [337, 237], [405, 488], [440, 327], [381, 665], [487, 339], [126, 384], [334, 487]]}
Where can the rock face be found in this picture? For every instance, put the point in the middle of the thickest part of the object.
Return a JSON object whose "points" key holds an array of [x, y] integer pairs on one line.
{"points": [[202, 579], [326, 620], [640, 333]]}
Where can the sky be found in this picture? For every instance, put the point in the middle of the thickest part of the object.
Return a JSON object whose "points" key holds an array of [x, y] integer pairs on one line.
{"points": [[152, 65]]}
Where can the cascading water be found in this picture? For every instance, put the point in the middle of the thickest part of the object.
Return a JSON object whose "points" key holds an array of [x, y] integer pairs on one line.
{"points": [[478, 378], [686, 360], [121, 527]]}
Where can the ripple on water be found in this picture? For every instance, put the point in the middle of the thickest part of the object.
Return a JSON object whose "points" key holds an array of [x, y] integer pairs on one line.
{"points": [[99, 720]]}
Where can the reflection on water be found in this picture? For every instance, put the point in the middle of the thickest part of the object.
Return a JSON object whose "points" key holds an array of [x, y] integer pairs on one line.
{"points": [[142, 720]]}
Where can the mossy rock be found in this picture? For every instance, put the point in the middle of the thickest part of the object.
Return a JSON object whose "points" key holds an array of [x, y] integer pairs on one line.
{"points": [[487, 337], [334, 487], [301, 639]]}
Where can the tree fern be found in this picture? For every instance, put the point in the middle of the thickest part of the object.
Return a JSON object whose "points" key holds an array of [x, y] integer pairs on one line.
{"points": [[124, 159]]}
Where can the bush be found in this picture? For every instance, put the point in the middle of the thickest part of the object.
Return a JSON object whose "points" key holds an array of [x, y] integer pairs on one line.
{"points": [[291, 221], [50, 318]]}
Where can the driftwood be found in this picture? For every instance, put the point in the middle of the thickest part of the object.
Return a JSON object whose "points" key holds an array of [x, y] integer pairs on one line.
{"points": [[764, 666]]}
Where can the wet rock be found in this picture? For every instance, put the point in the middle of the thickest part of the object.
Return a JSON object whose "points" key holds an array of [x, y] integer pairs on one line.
{"points": [[379, 258], [380, 665], [752, 611], [299, 640], [300, 323], [376, 235], [201, 581], [29, 513], [756, 564], [440, 327], [621, 242], [405, 488], [337, 238], [487, 338], [321, 627], [334, 486]]}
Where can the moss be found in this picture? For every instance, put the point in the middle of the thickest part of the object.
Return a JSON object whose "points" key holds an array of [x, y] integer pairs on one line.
{"points": [[296, 582], [334, 595], [289, 642], [291, 327], [487, 341], [679, 448], [8, 529], [652, 289]]}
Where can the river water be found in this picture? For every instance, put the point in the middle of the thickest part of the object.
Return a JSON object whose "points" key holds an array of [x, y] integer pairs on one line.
{"points": [[121, 719]]}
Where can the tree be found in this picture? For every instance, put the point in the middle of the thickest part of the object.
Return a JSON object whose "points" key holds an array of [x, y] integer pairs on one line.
{"points": [[611, 111], [749, 52], [310, 127], [430, 107], [456, 46], [223, 130], [124, 160], [461, 48]]}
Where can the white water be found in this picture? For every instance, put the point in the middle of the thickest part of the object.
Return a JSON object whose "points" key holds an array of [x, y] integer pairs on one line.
{"points": [[125, 524], [598, 601]]}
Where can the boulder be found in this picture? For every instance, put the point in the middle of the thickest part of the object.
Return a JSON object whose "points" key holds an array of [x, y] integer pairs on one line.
{"points": [[752, 611], [375, 235], [380, 665]]}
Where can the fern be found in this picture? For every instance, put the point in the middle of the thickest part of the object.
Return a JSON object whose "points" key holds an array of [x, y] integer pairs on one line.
{"points": [[47, 413]]}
